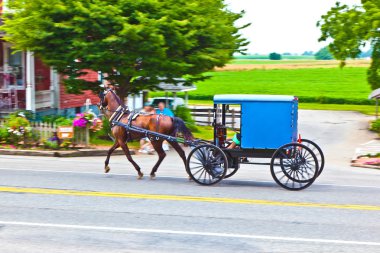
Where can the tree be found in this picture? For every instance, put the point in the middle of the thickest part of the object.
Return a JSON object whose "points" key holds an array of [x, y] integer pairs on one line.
{"points": [[308, 53], [134, 43], [323, 54], [351, 28], [275, 56]]}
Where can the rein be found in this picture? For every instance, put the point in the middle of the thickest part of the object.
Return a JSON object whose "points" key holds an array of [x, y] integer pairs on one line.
{"points": [[117, 100]]}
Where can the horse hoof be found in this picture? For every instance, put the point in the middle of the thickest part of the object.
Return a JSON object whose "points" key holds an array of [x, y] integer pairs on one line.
{"points": [[107, 169], [140, 176], [152, 177]]}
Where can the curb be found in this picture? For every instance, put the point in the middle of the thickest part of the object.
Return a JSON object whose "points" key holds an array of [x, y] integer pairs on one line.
{"points": [[64, 153], [369, 148], [376, 167]]}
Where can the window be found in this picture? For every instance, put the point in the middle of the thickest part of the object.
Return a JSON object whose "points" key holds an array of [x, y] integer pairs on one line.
{"points": [[15, 70]]}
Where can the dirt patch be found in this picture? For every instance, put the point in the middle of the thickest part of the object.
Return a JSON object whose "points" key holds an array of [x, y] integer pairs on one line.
{"points": [[296, 65]]}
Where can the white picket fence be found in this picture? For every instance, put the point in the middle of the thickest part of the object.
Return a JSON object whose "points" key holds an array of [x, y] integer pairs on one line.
{"points": [[46, 130]]}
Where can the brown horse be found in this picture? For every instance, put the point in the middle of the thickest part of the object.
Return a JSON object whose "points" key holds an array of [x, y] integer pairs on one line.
{"points": [[110, 103]]}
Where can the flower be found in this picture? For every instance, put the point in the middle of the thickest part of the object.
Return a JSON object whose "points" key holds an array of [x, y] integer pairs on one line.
{"points": [[80, 122], [87, 119]]}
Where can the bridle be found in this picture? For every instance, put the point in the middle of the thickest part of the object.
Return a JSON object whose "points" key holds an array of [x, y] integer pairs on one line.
{"points": [[103, 94]]}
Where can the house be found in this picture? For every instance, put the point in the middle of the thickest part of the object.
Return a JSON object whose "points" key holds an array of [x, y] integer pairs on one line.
{"points": [[27, 83]]}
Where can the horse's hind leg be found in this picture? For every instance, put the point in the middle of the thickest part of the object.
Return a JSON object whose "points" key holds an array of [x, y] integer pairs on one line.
{"points": [[181, 153], [128, 154], [179, 150], [157, 145], [110, 151]]}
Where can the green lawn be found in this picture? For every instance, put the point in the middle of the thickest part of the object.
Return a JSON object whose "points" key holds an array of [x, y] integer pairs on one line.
{"points": [[284, 57], [366, 109], [313, 85], [267, 61]]}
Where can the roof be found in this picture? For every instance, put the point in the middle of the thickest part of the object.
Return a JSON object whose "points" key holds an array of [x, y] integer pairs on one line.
{"points": [[239, 98], [176, 87], [375, 94]]}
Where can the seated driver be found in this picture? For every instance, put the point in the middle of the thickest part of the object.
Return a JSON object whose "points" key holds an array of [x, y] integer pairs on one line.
{"points": [[235, 141]]}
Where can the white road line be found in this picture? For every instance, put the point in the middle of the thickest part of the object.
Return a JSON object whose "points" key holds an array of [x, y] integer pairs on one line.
{"points": [[184, 177], [178, 232]]}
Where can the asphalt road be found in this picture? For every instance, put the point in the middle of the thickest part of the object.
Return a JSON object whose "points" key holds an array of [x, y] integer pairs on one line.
{"points": [[69, 205]]}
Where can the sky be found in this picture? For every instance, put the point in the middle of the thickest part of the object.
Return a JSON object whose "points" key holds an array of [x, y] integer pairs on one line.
{"points": [[283, 26]]}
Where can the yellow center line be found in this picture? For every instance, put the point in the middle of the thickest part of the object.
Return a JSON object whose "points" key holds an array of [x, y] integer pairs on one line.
{"points": [[184, 198]]}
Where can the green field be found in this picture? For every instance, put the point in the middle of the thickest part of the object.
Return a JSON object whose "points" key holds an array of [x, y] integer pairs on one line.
{"points": [[311, 85], [284, 57], [267, 61]]}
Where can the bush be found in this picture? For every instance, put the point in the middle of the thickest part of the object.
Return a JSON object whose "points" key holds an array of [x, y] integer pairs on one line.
{"points": [[185, 114], [4, 135], [50, 119], [66, 143], [18, 128], [324, 54], [62, 121], [275, 56], [51, 145], [58, 120], [23, 113], [104, 132], [375, 126]]}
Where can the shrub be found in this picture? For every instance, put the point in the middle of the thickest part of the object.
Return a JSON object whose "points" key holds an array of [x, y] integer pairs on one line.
{"points": [[275, 56], [51, 144], [51, 119], [23, 113], [185, 114], [66, 143], [375, 126], [4, 135], [324, 54], [18, 128], [62, 121]]}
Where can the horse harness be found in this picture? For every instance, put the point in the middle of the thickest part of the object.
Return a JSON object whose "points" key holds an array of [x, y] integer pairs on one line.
{"points": [[132, 115], [122, 110]]}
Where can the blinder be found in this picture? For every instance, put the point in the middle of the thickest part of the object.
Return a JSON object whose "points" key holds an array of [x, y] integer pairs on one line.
{"points": [[102, 95]]}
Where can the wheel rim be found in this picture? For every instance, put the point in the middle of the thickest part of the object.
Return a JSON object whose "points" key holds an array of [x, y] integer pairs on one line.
{"points": [[231, 172], [206, 164], [294, 166], [318, 153]]}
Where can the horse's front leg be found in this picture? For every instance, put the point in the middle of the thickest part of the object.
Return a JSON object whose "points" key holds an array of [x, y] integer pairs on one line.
{"points": [[129, 157], [110, 151], [157, 145]]}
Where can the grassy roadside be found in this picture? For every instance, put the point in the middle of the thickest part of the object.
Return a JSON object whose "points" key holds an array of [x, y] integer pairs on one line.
{"points": [[365, 109]]}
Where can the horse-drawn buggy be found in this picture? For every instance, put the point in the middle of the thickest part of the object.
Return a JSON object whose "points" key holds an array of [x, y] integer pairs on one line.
{"points": [[268, 129]]}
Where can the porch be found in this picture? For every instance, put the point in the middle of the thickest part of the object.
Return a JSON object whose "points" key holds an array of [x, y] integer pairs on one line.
{"points": [[25, 82]]}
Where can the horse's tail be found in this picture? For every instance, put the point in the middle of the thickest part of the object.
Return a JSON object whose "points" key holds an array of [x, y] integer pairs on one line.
{"points": [[180, 127]]}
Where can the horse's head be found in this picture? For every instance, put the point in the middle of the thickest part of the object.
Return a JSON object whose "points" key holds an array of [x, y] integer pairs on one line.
{"points": [[103, 99], [109, 100]]}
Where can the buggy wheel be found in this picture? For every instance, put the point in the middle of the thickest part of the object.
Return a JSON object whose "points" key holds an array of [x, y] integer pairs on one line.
{"points": [[231, 172], [294, 166], [318, 153], [206, 164]]}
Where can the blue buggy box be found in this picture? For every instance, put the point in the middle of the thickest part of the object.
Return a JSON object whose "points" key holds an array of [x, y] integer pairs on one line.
{"points": [[267, 121]]}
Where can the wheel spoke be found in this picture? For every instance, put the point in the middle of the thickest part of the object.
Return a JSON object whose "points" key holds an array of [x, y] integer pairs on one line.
{"points": [[198, 171], [199, 163]]}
